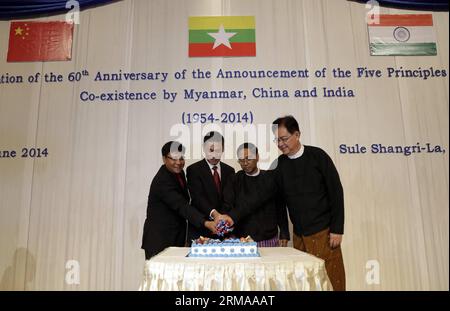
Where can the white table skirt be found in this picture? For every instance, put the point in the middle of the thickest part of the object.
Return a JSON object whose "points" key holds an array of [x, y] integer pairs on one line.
{"points": [[278, 268]]}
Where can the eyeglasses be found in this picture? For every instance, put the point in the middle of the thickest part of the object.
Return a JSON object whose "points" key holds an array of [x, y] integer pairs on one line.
{"points": [[181, 159], [281, 139]]}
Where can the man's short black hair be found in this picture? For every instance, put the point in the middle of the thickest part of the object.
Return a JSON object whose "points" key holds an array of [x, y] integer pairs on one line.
{"points": [[172, 146], [249, 146], [288, 122], [214, 136]]}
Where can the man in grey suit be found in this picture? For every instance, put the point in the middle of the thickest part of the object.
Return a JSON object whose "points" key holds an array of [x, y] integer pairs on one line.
{"points": [[207, 179]]}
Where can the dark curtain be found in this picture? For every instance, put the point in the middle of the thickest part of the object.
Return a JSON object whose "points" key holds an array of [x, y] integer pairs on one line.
{"points": [[23, 8], [428, 5]]}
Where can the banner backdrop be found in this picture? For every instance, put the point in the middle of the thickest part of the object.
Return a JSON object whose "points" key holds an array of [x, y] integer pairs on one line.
{"points": [[80, 140]]}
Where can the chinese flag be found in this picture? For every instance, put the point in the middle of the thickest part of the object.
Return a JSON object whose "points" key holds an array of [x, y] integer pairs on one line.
{"points": [[40, 41]]}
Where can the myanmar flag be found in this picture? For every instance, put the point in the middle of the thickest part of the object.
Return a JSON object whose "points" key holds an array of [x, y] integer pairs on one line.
{"points": [[40, 41], [222, 36], [404, 34]]}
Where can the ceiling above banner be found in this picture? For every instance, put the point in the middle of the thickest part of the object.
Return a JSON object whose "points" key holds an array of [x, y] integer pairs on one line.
{"points": [[431, 5], [26, 8]]}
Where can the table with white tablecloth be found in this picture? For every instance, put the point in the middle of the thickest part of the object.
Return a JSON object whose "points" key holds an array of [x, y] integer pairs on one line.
{"points": [[278, 268]]}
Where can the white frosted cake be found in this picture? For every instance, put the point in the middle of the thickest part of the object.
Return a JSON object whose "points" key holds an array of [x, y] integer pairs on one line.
{"points": [[205, 247]]}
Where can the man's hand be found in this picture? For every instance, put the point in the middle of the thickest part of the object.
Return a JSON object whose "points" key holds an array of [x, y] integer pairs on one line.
{"points": [[226, 218], [211, 226], [214, 214], [218, 217], [335, 240], [283, 243]]}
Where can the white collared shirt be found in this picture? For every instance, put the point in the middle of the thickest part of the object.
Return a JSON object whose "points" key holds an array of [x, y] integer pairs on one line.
{"points": [[255, 174], [212, 173], [211, 168], [298, 154]]}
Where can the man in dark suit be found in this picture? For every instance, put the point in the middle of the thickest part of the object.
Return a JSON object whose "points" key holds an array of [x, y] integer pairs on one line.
{"points": [[206, 180], [251, 198], [168, 205]]}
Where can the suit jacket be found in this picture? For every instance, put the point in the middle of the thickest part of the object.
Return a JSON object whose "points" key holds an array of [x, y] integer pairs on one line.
{"points": [[204, 195], [167, 210]]}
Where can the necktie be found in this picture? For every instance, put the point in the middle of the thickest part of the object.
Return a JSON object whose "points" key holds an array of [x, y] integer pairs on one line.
{"points": [[217, 180], [180, 180]]}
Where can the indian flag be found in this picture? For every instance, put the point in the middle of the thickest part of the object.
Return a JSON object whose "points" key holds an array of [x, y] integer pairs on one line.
{"points": [[406, 34], [222, 36]]}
